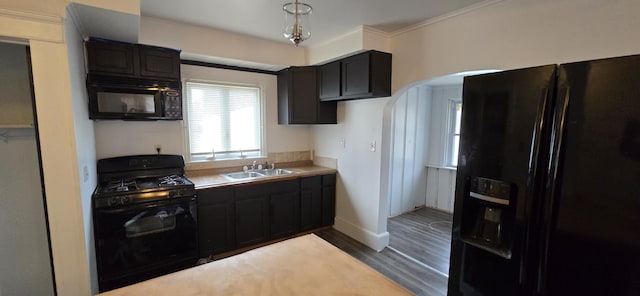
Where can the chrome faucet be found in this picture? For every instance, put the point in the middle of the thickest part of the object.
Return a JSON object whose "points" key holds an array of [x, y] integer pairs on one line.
{"points": [[253, 165], [267, 167]]}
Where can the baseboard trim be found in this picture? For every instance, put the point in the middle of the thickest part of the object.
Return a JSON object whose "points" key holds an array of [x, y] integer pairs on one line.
{"points": [[372, 240]]}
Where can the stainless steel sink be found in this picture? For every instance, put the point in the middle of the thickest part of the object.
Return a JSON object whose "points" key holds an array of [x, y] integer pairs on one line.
{"points": [[243, 175], [256, 174], [276, 172]]}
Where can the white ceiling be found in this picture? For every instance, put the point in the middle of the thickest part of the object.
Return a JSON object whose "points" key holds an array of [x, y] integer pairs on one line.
{"points": [[329, 19]]}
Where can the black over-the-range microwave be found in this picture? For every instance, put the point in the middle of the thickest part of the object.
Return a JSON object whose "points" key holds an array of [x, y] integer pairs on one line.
{"points": [[135, 100]]}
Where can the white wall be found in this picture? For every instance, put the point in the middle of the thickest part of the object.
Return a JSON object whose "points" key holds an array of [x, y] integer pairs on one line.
{"points": [[60, 166], [441, 95], [412, 118], [514, 34], [84, 140], [440, 191], [507, 35], [359, 39], [357, 204], [215, 43], [117, 138], [417, 175], [441, 188]]}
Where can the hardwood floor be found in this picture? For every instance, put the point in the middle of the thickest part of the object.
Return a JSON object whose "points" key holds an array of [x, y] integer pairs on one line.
{"points": [[424, 235], [415, 238]]}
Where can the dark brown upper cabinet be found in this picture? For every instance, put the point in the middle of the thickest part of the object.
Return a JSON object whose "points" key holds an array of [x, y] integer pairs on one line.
{"points": [[329, 80], [298, 101], [111, 58], [159, 62], [361, 76], [122, 59]]}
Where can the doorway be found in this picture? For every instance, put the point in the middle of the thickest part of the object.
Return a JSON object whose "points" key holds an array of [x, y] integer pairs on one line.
{"points": [[421, 182], [421, 132], [24, 237]]}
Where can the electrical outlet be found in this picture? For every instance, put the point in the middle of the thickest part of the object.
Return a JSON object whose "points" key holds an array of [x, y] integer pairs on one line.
{"points": [[341, 142], [372, 146], [157, 148]]}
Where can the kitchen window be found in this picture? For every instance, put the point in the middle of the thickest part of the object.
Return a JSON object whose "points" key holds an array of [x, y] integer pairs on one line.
{"points": [[223, 121], [453, 132]]}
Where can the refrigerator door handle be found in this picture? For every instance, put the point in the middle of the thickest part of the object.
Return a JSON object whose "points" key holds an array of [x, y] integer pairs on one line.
{"points": [[536, 179], [538, 130], [558, 133], [558, 128]]}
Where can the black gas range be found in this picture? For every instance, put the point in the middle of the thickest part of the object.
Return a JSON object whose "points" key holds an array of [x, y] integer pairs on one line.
{"points": [[128, 190], [145, 222]]}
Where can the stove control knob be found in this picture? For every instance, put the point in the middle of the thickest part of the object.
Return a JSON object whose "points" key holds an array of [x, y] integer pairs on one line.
{"points": [[112, 201]]}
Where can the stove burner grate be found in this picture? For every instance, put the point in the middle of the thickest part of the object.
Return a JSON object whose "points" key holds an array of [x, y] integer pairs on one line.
{"points": [[172, 180], [121, 185]]}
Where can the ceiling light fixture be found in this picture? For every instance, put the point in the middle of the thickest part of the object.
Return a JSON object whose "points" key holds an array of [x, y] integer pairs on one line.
{"points": [[297, 21]]}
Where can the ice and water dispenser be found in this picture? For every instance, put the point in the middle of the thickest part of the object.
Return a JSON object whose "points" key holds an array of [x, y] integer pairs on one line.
{"points": [[488, 216]]}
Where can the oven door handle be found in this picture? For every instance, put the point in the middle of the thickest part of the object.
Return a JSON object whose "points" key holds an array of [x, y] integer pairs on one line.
{"points": [[163, 203], [134, 219]]}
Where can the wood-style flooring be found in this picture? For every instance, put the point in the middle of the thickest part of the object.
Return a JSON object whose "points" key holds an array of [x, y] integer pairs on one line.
{"points": [[424, 235], [417, 257]]}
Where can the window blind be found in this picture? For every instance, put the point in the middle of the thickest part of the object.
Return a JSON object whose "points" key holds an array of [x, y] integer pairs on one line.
{"points": [[224, 121]]}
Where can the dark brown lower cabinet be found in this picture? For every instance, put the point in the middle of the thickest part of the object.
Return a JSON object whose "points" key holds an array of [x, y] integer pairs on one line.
{"points": [[216, 228], [252, 215], [234, 217], [328, 199], [310, 202], [284, 209]]}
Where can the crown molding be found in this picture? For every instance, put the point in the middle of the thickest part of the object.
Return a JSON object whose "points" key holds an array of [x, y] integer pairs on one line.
{"points": [[445, 17], [31, 16], [375, 31], [21, 25], [73, 14]]}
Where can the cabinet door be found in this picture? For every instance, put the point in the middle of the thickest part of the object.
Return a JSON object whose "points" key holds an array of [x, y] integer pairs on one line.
{"points": [[304, 95], [284, 208], [310, 202], [328, 199], [355, 75], [251, 215], [284, 214], [298, 101], [111, 58], [159, 62], [329, 80], [215, 221]]}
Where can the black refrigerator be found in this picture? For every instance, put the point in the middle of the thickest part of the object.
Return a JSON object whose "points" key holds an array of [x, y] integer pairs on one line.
{"points": [[547, 196]]}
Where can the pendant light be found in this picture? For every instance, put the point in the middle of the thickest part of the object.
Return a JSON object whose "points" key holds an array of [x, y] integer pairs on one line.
{"points": [[297, 21]]}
